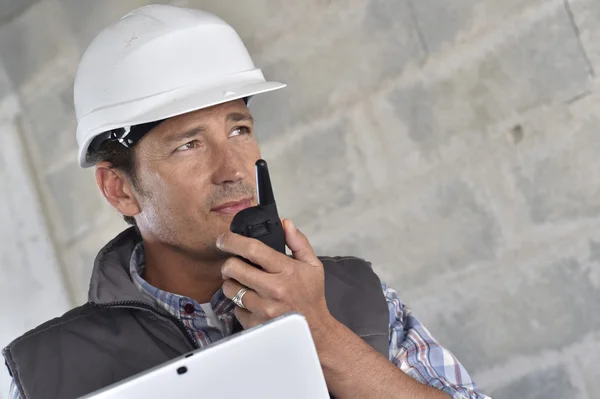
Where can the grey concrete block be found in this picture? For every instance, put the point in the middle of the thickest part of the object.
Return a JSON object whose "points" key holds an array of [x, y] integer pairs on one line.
{"points": [[543, 384], [5, 84], [317, 173], [33, 39], [418, 231], [383, 137], [517, 307], [31, 277], [352, 57], [587, 357], [560, 183], [417, 110], [10, 9], [443, 22], [79, 263], [544, 66], [78, 257], [50, 124], [586, 14], [261, 22], [75, 202]]}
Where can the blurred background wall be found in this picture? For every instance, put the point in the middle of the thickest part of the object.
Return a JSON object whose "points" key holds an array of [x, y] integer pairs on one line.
{"points": [[455, 144]]}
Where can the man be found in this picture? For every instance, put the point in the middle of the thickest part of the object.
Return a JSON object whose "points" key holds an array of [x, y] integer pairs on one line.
{"points": [[161, 102]]}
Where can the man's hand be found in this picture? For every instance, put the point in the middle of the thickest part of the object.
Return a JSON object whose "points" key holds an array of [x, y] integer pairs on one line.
{"points": [[285, 284], [352, 369]]}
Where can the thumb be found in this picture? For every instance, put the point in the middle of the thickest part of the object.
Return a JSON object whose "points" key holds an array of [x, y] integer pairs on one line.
{"points": [[299, 244]]}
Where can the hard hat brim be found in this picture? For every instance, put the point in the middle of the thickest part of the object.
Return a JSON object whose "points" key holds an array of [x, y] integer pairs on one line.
{"points": [[165, 105]]}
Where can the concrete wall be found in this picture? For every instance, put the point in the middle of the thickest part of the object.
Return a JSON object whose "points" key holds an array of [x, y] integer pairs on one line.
{"points": [[452, 143], [32, 287]]}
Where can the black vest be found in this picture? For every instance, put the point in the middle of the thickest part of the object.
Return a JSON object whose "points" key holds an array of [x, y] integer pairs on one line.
{"points": [[119, 333]]}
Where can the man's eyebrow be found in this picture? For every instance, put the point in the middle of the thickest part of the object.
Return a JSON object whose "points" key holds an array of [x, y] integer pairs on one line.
{"points": [[239, 117], [186, 134]]}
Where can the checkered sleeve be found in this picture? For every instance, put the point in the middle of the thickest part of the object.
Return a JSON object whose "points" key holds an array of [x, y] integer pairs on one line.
{"points": [[414, 350]]}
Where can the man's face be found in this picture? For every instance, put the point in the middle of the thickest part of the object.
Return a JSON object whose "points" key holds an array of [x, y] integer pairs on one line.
{"points": [[194, 173]]}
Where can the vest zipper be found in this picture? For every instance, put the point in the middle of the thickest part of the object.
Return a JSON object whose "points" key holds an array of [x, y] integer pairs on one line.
{"points": [[144, 306]]}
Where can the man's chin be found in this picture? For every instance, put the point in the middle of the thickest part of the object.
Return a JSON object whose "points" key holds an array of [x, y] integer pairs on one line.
{"points": [[220, 225]]}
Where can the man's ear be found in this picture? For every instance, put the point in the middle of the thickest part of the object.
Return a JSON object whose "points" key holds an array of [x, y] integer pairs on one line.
{"points": [[117, 189]]}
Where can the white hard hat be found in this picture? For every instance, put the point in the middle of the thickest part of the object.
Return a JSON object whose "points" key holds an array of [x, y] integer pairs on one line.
{"points": [[159, 61]]}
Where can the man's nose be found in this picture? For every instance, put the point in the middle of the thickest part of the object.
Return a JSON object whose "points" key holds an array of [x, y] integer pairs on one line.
{"points": [[229, 166]]}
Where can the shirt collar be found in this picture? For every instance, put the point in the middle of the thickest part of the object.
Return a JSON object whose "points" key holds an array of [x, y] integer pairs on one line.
{"points": [[172, 303]]}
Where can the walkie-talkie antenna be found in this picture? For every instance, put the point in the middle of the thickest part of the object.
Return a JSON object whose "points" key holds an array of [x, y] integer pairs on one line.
{"points": [[262, 221], [263, 184]]}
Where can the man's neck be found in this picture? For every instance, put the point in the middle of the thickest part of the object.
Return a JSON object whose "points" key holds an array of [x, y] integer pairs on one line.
{"points": [[171, 270]]}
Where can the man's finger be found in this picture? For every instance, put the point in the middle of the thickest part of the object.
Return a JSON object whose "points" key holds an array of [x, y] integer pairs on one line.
{"points": [[251, 300], [299, 244], [253, 250], [248, 275]]}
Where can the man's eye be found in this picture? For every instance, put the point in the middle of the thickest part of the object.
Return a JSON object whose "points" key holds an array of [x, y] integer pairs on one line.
{"points": [[240, 130], [188, 146]]}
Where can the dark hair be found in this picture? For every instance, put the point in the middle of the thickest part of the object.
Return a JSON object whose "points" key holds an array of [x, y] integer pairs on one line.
{"points": [[121, 158]]}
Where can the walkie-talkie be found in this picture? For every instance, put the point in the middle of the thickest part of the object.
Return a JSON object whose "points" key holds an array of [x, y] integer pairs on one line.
{"points": [[262, 221]]}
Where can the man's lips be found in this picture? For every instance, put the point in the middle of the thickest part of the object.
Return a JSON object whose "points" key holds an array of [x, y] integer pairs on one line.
{"points": [[231, 208]]}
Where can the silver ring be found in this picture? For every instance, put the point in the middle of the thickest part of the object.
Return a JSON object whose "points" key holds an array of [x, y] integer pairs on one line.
{"points": [[237, 299]]}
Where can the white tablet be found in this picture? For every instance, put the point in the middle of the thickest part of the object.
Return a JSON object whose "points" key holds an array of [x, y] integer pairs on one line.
{"points": [[275, 360]]}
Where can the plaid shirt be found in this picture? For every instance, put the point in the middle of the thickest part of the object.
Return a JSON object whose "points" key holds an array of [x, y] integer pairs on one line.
{"points": [[412, 347]]}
